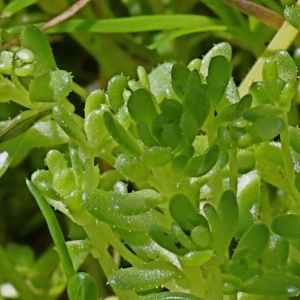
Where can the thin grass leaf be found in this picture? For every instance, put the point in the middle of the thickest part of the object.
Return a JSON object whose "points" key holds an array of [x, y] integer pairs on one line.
{"points": [[16, 6], [132, 24], [54, 229], [21, 123], [180, 32]]}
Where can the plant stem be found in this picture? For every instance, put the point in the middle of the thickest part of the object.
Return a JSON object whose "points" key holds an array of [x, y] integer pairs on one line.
{"points": [[89, 173], [288, 162], [260, 12], [106, 261], [281, 41], [79, 90], [195, 277], [217, 284], [109, 235], [233, 170], [7, 268]]}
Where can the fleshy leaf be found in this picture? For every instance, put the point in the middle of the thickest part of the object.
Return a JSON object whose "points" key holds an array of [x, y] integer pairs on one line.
{"points": [[144, 277], [223, 49], [275, 256], [156, 156], [132, 168], [287, 226], [195, 101], [185, 214], [115, 89], [179, 74], [272, 127], [252, 243], [129, 204], [121, 135], [33, 39], [56, 85], [219, 72], [171, 296], [102, 209], [248, 201], [197, 258], [82, 286], [142, 106], [228, 212], [274, 284], [292, 15], [166, 239]]}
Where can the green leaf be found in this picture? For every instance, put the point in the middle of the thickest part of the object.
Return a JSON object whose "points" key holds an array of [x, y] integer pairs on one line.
{"points": [[44, 181], [294, 134], [8, 152], [215, 228], [189, 128], [272, 127], [261, 112], [171, 296], [94, 101], [21, 123], [172, 110], [185, 214], [195, 101], [56, 85], [180, 74], [45, 134], [252, 243], [100, 205], [270, 69], [82, 286], [160, 82], [94, 127], [156, 156], [166, 239], [292, 15], [8, 92], [274, 284], [145, 134], [144, 277], [223, 49], [287, 226], [129, 204], [219, 73], [132, 168], [54, 229], [209, 160], [248, 197], [182, 236], [228, 212], [33, 39], [270, 164], [142, 106], [69, 125], [287, 69], [275, 256], [171, 136], [135, 24], [245, 161], [197, 258], [122, 136], [15, 6], [202, 237], [144, 246], [115, 89], [181, 32]]}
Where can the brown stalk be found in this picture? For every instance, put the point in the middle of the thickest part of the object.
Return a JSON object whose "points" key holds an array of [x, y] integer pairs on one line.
{"points": [[71, 11]]}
